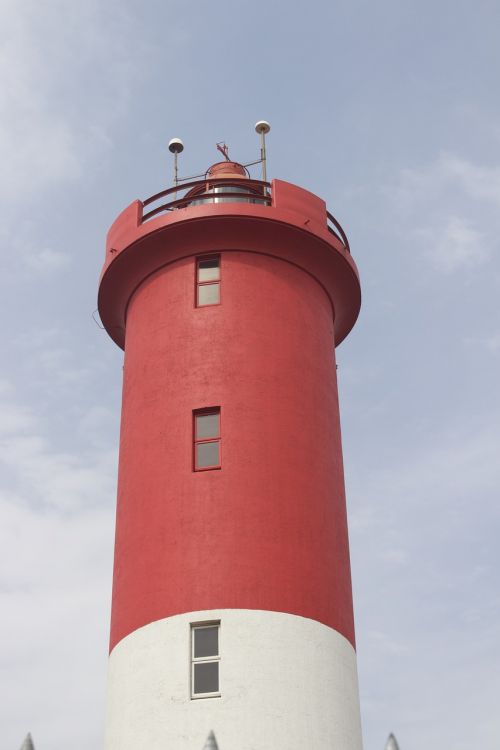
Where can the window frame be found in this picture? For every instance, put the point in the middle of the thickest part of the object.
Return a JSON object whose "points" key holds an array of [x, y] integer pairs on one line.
{"points": [[209, 282], [204, 659], [198, 441]]}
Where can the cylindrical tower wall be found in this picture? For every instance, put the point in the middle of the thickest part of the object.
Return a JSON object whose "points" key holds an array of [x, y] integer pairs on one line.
{"points": [[255, 551], [265, 533]]}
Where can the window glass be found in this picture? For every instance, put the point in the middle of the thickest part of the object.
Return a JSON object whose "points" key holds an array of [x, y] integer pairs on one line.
{"points": [[208, 294], [206, 677], [206, 641], [207, 454], [231, 189], [205, 660], [208, 270], [207, 426]]}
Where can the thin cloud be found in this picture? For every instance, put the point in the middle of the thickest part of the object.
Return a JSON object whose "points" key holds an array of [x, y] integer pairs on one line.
{"points": [[479, 182], [437, 614], [490, 343], [456, 245], [448, 172], [50, 478], [46, 261], [48, 52], [56, 519], [447, 211]]}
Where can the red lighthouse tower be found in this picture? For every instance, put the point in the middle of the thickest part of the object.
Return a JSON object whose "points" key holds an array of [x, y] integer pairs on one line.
{"points": [[232, 620]]}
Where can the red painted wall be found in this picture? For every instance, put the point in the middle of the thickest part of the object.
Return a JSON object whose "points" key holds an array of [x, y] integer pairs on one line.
{"points": [[268, 530]]}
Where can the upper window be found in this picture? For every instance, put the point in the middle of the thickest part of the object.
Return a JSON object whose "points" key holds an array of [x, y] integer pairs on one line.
{"points": [[208, 281], [206, 427], [205, 659]]}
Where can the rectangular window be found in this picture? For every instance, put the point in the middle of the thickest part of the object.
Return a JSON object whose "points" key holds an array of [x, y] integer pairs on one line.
{"points": [[208, 281], [205, 660], [206, 439]]}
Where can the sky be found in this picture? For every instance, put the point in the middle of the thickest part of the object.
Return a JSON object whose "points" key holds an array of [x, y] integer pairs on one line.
{"points": [[390, 112]]}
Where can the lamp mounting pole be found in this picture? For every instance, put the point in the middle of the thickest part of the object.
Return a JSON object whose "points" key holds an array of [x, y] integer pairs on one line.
{"points": [[176, 147], [262, 127]]}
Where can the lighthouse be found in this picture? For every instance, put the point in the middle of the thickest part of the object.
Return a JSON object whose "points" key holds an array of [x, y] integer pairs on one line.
{"points": [[232, 619]]}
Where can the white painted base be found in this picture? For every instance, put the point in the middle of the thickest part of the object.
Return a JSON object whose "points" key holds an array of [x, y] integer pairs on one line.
{"points": [[287, 683]]}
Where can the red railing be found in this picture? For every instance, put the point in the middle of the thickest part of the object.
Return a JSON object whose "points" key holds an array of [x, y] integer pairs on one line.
{"points": [[209, 191], [339, 233], [203, 191]]}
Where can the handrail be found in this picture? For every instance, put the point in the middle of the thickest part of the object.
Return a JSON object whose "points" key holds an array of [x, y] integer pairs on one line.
{"points": [[255, 190], [185, 201], [339, 234], [220, 181]]}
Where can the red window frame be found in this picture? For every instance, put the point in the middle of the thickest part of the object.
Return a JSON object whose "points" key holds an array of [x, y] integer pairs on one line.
{"points": [[213, 439], [208, 282]]}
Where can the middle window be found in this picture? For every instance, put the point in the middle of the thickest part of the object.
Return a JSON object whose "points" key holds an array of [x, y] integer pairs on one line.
{"points": [[206, 439]]}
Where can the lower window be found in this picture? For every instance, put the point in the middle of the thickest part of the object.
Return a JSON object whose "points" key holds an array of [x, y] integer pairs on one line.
{"points": [[205, 660]]}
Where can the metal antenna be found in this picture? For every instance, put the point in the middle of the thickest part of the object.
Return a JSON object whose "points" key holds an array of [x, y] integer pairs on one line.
{"points": [[262, 127], [221, 146], [176, 147]]}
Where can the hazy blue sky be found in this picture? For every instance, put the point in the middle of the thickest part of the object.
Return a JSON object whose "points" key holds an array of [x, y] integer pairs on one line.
{"points": [[389, 110]]}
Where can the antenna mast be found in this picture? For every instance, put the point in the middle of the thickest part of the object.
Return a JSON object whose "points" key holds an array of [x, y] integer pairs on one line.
{"points": [[176, 147], [262, 127]]}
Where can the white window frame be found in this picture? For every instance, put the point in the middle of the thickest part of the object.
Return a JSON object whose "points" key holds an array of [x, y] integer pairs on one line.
{"points": [[204, 659]]}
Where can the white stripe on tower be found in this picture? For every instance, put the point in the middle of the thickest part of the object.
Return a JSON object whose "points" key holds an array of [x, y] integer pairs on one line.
{"points": [[283, 678]]}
